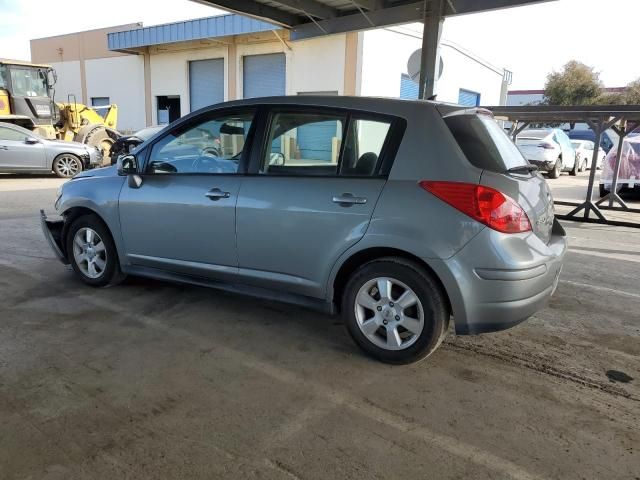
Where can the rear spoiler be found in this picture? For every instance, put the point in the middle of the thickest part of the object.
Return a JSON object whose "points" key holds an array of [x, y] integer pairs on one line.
{"points": [[450, 110]]}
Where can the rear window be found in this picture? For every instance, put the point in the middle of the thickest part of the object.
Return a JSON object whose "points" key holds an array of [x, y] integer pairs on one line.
{"points": [[484, 142]]}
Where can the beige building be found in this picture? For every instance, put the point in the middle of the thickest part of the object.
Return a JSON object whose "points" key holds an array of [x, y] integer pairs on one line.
{"points": [[159, 73]]}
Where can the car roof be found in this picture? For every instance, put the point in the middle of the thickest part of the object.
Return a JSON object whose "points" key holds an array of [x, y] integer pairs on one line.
{"points": [[391, 106], [15, 127]]}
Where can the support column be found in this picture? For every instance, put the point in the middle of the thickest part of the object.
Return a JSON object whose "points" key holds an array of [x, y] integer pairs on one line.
{"points": [[433, 20], [350, 63], [148, 106], [232, 70]]}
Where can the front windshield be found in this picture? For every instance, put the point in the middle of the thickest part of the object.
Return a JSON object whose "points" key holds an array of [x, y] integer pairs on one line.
{"points": [[28, 82], [4, 82]]}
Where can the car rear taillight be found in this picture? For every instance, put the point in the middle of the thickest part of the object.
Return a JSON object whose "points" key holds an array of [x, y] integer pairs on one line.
{"points": [[547, 145], [484, 204]]}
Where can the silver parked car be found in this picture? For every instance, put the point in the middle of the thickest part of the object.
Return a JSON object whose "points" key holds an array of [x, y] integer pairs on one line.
{"points": [[24, 151], [397, 214]]}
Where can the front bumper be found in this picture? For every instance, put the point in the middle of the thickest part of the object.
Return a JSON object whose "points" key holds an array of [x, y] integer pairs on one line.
{"points": [[52, 230], [499, 280], [95, 158]]}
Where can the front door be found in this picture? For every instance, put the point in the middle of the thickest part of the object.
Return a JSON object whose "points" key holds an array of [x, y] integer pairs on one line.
{"points": [[182, 217], [310, 199], [18, 153]]}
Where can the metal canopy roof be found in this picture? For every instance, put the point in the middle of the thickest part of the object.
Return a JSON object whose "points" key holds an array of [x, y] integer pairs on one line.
{"points": [[198, 29], [312, 18], [555, 113]]}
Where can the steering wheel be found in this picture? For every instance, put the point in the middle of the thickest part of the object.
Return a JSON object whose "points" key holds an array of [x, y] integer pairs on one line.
{"points": [[211, 152]]}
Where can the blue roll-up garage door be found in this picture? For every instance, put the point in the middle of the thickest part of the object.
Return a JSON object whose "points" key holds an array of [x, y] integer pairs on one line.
{"points": [[263, 75], [206, 82], [315, 140], [468, 98], [408, 88]]}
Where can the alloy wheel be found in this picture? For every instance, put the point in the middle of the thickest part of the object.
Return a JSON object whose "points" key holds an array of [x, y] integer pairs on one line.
{"points": [[67, 166], [89, 252], [389, 313]]}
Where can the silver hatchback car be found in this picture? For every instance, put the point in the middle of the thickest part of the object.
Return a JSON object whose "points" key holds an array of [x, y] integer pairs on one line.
{"points": [[397, 214]]}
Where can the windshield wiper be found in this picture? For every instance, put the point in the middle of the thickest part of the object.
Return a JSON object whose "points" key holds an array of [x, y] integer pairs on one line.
{"points": [[523, 168]]}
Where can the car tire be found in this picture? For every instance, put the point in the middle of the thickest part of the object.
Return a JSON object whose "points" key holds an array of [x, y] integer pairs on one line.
{"points": [[92, 252], [417, 328], [585, 165], [557, 169], [66, 165], [603, 191], [576, 168]]}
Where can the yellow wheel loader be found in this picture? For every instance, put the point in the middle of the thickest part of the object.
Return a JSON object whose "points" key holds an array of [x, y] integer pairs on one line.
{"points": [[27, 99]]}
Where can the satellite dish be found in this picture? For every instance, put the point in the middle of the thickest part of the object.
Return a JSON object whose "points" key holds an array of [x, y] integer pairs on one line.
{"points": [[413, 66]]}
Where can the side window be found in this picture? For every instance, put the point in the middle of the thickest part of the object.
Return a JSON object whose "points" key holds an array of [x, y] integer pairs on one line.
{"points": [[365, 139], [303, 144], [9, 134], [213, 145]]}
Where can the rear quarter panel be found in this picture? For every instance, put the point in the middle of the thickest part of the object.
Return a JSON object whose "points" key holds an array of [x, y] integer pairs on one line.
{"points": [[407, 216]]}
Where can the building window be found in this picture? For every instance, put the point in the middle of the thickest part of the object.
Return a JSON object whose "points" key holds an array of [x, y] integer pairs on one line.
{"points": [[468, 98], [168, 108], [408, 88]]}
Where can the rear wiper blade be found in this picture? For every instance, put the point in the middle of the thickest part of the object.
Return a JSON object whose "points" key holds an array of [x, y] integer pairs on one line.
{"points": [[523, 168]]}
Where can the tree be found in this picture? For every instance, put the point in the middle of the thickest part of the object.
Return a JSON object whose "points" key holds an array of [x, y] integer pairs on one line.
{"points": [[629, 96], [632, 93], [576, 84]]}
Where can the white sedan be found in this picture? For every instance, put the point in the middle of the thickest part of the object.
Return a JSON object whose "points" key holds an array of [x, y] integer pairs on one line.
{"points": [[584, 154], [549, 149]]}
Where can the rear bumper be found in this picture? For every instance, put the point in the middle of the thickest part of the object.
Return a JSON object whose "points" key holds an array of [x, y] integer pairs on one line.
{"points": [[543, 165], [52, 230], [497, 281]]}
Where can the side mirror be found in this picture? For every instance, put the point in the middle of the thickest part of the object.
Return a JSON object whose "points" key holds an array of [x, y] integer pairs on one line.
{"points": [[31, 140], [127, 165]]}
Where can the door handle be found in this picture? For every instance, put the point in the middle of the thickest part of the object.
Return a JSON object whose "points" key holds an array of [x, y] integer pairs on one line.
{"points": [[217, 194], [349, 199]]}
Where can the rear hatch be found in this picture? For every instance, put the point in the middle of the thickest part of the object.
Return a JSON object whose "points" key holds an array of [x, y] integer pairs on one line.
{"points": [[529, 145], [488, 147]]}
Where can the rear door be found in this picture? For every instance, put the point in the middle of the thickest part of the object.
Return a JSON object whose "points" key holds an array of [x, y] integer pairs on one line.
{"points": [[310, 195], [487, 146]]}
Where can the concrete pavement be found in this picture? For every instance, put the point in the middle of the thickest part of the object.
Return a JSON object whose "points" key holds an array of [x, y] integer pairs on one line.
{"points": [[155, 380]]}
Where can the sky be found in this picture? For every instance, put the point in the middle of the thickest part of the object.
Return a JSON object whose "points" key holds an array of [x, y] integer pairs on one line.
{"points": [[530, 41]]}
